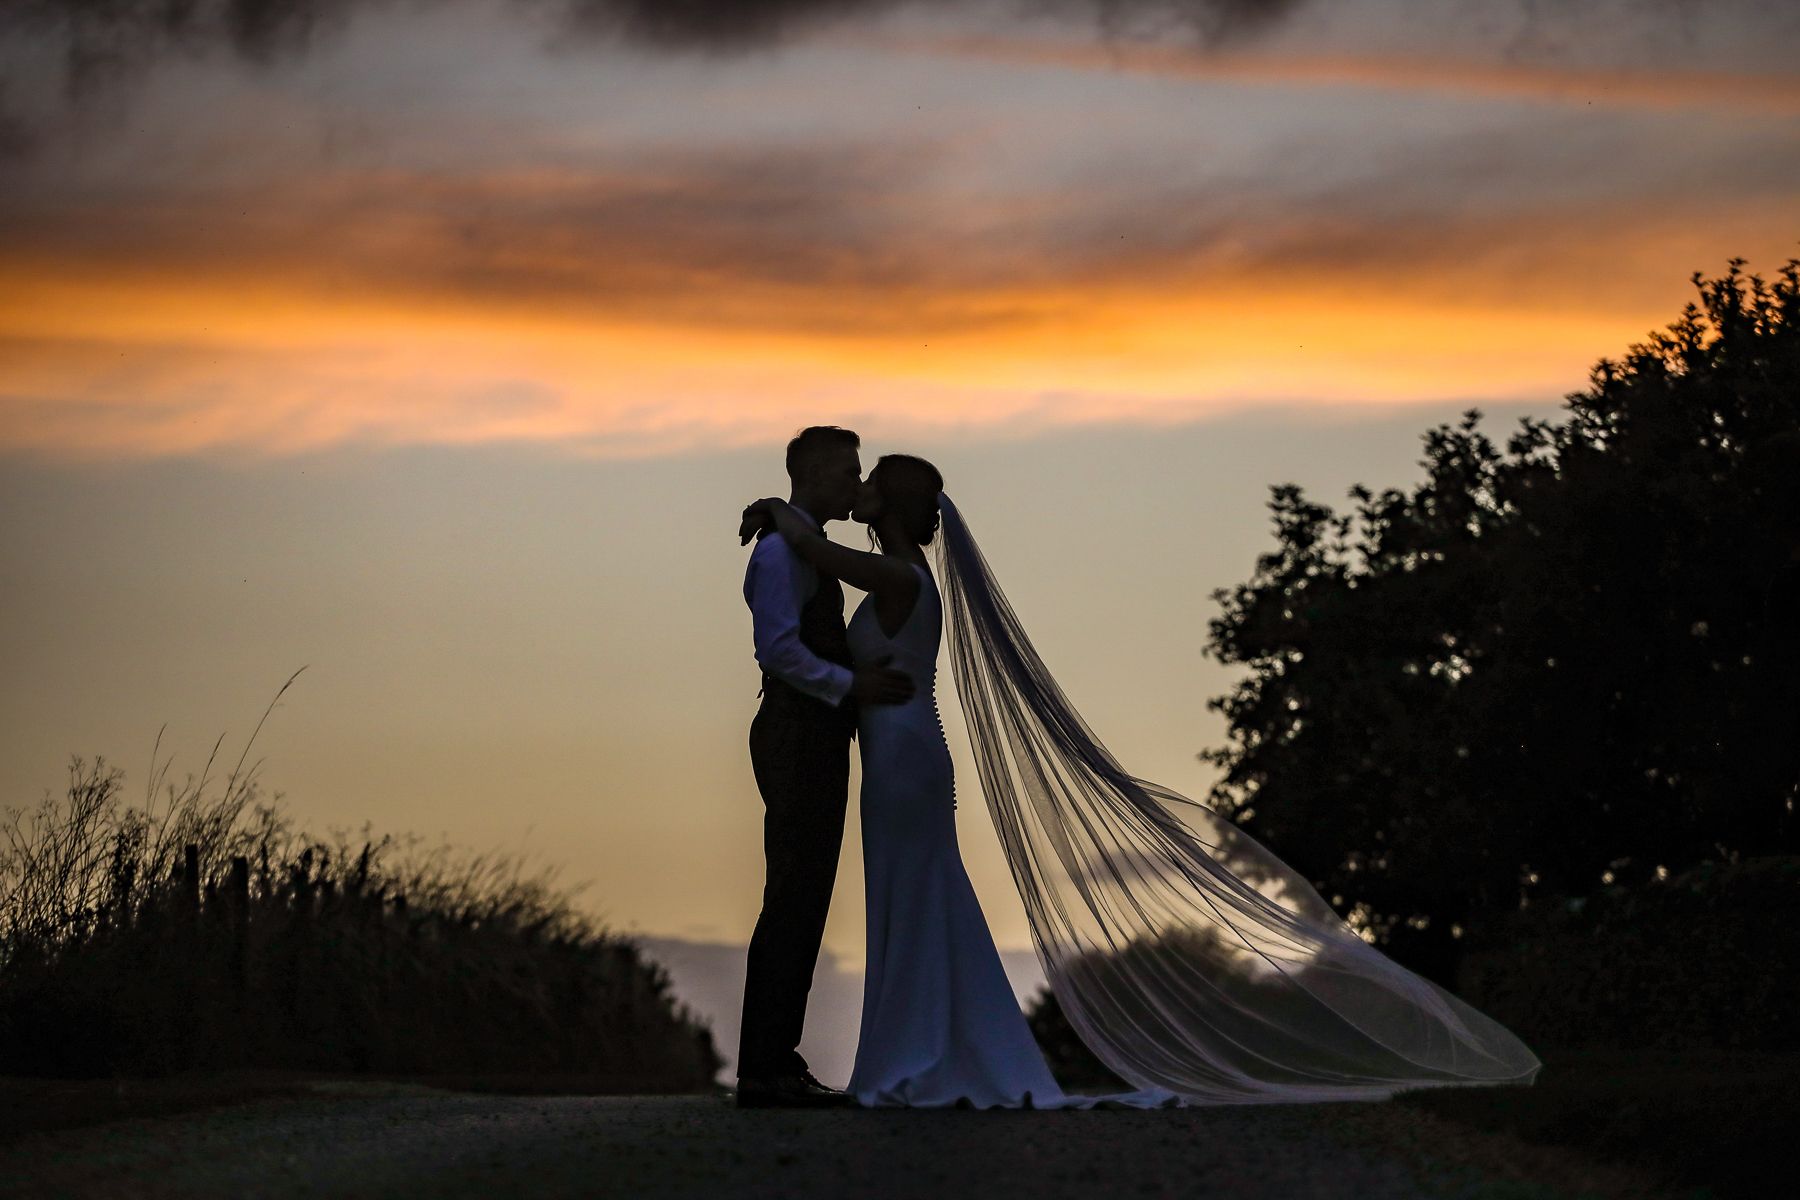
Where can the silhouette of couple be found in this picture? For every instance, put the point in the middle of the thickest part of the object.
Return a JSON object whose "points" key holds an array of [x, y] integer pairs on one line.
{"points": [[1191, 960]]}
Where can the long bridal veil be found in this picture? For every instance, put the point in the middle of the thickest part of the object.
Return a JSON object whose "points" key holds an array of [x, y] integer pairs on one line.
{"points": [[1186, 955]]}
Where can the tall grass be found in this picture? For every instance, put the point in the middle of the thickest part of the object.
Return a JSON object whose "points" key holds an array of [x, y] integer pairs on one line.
{"points": [[204, 931]]}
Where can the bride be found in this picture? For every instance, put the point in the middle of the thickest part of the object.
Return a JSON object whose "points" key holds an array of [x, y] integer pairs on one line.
{"points": [[1192, 961]]}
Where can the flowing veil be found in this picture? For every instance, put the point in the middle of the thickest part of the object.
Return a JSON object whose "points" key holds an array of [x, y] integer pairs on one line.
{"points": [[1186, 955]]}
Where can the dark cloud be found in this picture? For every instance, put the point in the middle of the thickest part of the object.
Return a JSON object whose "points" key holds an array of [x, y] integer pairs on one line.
{"points": [[850, 240], [832, 239], [102, 39], [713, 24], [725, 25], [105, 44], [96, 32], [17, 138]]}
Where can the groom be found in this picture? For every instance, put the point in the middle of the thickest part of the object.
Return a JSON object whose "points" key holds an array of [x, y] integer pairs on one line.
{"points": [[800, 753]]}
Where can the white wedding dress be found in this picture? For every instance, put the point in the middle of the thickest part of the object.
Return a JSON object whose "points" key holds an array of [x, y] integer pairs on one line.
{"points": [[1192, 961], [940, 1024]]}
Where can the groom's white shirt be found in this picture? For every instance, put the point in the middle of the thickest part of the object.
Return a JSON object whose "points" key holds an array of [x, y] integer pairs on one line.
{"points": [[776, 584]]}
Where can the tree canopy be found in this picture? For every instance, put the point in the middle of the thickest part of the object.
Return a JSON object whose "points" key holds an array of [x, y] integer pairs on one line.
{"points": [[1552, 666]]}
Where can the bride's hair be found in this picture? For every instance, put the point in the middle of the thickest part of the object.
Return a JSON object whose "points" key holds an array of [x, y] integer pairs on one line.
{"points": [[909, 488]]}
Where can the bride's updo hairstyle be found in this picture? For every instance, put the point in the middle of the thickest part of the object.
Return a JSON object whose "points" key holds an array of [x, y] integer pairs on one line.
{"points": [[909, 488]]}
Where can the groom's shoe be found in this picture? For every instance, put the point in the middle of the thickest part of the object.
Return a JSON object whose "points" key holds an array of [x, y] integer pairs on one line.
{"points": [[830, 1097], [789, 1091]]}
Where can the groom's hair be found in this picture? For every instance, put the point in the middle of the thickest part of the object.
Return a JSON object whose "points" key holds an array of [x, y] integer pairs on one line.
{"points": [[813, 443]]}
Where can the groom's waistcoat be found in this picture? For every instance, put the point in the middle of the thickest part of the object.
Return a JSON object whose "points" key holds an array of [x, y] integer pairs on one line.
{"points": [[822, 632]]}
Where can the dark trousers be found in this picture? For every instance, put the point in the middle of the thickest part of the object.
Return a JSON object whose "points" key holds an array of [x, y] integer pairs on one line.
{"points": [[801, 756]]}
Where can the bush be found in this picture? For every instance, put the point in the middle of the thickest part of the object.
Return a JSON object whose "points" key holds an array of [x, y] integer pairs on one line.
{"points": [[1706, 959], [213, 936], [1075, 1066]]}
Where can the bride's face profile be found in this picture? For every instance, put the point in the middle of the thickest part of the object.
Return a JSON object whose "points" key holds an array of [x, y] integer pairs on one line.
{"points": [[867, 508], [900, 496]]}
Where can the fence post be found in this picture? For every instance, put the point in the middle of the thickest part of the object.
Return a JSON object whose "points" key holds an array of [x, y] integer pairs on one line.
{"points": [[190, 879]]}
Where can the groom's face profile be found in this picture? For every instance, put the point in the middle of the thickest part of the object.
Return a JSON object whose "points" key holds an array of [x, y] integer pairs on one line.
{"points": [[839, 477]]}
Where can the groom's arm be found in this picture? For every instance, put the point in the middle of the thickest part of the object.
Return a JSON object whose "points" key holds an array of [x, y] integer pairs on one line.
{"points": [[774, 586]]}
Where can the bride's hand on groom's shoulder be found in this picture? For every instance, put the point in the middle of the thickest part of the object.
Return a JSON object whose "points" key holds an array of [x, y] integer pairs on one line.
{"points": [[757, 518]]}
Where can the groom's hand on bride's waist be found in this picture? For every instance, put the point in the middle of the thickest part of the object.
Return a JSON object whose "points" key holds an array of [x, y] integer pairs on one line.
{"points": [[879, 683]]}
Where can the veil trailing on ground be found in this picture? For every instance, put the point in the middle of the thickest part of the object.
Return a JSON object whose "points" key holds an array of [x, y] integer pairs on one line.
{"points": [[1185, 954]]}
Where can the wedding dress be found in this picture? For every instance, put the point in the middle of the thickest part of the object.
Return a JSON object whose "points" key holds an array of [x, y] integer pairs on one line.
{"points": [[940, 1024], [1188, 957]]}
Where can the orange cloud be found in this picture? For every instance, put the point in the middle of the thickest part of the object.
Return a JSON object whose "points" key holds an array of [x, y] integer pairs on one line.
{"points": [[673, 305], [362, 373]]}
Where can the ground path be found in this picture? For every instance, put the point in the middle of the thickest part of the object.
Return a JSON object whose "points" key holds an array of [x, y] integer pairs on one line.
{"points": [[357, 1139]]}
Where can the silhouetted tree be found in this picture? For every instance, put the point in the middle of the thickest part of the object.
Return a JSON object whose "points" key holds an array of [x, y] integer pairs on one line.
{"points": [[1564, 663]]}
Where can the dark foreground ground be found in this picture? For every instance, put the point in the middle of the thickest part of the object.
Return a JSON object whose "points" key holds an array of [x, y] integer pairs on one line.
{"points": [[272, 1137]]}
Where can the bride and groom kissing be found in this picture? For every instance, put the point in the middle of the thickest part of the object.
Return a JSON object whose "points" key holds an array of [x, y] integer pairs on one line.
{"points": [[1193, 962]]}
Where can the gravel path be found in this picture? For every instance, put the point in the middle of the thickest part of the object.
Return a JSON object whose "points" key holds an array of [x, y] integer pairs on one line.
{"points": [[395, 1140]]}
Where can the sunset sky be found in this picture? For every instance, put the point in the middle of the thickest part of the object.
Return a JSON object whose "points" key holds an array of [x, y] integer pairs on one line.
{"points": [[434, 346]]}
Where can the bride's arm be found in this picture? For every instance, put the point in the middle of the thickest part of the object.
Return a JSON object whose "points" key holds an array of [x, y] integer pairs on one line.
{"points": [[860, 569]]}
